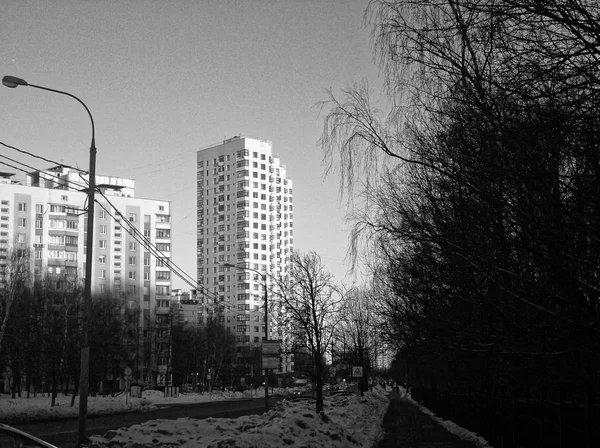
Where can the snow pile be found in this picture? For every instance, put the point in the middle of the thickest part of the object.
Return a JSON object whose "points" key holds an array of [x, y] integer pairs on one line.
{"points": [[450, 426], [348, 421], [38, 407]]}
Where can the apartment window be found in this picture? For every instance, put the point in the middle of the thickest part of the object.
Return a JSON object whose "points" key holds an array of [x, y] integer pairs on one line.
{"points": [[146, 261], [132, 217], [131, 275], [57, 240], [132, 261], [102, 244], [102, 288], [102, 273], [132, 246], [102, 259], [102, 230], [22, 222], [161, 208], [38, 223], [162, 290], [22, 207], [146, 275], [72, 225], [20, 237], [102, 214]]}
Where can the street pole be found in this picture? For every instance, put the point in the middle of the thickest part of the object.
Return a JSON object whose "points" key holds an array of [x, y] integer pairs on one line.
{"points": [[263, 276], [13, 82], [264, 279]]}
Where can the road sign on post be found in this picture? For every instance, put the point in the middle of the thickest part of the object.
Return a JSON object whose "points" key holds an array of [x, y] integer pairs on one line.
{"points": [[270, 362], [270, 348]]}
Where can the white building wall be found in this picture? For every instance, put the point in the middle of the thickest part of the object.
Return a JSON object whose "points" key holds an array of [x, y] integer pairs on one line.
{"points": [[245, 218], [53, 223]]}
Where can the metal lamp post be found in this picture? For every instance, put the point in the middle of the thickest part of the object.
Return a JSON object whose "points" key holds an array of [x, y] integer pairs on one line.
{"points": [[13, 82], [263, 276]]}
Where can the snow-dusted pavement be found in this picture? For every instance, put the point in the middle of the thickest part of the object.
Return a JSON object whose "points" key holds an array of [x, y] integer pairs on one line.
{"points": [[347, 421]]}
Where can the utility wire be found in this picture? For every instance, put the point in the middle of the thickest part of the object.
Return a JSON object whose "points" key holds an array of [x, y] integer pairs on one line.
{"points": [[158, 255], [42, 158], [143, 240], [79, 186], [141, 235], [133, 231]]}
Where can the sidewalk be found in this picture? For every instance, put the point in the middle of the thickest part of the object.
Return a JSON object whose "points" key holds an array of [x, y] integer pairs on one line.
{"points": [[407, 427]]}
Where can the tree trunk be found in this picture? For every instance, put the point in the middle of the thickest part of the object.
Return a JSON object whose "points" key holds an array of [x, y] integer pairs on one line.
{"points": [[319, 366]]}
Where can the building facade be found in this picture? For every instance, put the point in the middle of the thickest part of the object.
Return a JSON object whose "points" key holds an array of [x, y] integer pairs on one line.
{"points": [[244, 218], [46, 214]]}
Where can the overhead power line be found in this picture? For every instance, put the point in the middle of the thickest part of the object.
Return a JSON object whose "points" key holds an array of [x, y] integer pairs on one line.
{"points": [[42, 158], [133, 231], [143, 240], [68, 182]]}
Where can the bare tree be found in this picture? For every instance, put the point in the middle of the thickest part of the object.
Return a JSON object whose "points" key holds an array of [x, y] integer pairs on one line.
{"points": [[359, 331], [311, 304], [15, 277], [477, 191]]}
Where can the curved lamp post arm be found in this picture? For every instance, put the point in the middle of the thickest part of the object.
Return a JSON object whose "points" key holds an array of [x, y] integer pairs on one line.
{"points": [[13, 81], [80, 102]]}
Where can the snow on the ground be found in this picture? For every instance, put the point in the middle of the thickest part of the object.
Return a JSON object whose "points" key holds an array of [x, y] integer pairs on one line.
{"points": [[450, 426], [38, 407], [347, 421]]}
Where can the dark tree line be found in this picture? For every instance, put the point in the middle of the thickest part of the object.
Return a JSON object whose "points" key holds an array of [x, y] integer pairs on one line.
{"points": [[41, 333], [481, 213]]}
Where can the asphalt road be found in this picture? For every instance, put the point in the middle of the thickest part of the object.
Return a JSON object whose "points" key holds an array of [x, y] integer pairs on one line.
{"points": [[63, 432]]}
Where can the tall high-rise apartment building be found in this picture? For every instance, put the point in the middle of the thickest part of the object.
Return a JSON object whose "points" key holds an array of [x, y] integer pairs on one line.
{"points": [[244, 218], [46, 214]]}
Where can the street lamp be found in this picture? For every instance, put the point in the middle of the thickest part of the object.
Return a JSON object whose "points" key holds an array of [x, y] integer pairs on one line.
{"points": [[263, 276], [13, 82]]}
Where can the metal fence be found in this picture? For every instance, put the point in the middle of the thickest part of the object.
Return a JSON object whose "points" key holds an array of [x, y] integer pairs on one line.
{"points": [[520, 416]]}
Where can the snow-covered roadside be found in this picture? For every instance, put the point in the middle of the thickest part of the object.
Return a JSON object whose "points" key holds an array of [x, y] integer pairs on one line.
{"points": [[38, 408], [450, 426], [348, 421]]}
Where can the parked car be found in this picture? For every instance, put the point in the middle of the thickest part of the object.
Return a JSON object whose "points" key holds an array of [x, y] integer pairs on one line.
{"points": [[15, 438]]}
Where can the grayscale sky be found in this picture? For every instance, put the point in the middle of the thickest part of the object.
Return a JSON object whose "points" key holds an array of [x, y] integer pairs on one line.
{"points": [[165, 78]]}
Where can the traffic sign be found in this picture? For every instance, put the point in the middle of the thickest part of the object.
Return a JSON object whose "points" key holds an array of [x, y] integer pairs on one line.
{"points": [[270, 348], [357, 371], [270, 362]]}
